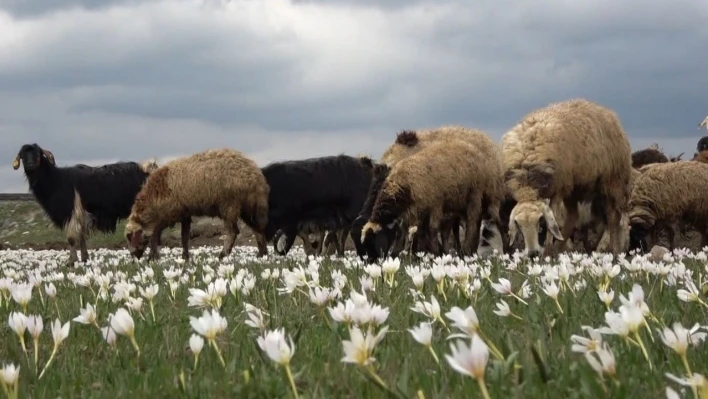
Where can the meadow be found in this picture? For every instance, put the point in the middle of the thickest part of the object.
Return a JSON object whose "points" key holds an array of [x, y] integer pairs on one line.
{"points": [[577, 326]]}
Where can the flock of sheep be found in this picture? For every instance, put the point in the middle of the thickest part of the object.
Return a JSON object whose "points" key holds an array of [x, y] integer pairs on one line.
{"points": [[562, 171]]}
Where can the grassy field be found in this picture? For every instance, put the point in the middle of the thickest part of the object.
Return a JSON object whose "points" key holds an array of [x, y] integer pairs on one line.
{"points": [[529, 347], [24, 225], [533, 344]]}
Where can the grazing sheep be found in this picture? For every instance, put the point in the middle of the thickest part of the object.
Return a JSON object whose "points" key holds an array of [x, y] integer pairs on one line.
{"points": [[668, 194], [648, 156], [702, 144], [406, 144], [220, 183], [570, 151], [81, 199], [701, 157], [453, 177], [327, 191]]}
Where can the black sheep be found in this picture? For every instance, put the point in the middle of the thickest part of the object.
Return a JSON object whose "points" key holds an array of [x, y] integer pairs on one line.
{"points": [[81, 198], [328, 192]]}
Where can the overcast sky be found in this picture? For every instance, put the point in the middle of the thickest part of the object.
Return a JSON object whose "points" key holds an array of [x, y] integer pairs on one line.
{"points": [[97, 81]]}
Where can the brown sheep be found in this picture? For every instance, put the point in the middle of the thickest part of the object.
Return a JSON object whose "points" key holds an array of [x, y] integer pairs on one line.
{"points": [[648, 156], [444, 177], [701, 157], [666, 195], [216, 183], [569, 151], [409, 142]]}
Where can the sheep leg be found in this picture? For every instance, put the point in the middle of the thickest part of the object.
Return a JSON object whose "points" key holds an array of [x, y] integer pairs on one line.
{"points": [[232, 231], [613, 225], [73, 257], [82, 246], [671, 236], [472, 228], [433, 231], [306, 243], [456, 235], [155, 242], [445, 232], [399, 243], [186, 226], [290, 233], [342, 243], [473, 223], [571, 219]]}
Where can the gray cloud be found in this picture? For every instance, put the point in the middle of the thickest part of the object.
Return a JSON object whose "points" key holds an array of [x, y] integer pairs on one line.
{"points": [[100, 81]]}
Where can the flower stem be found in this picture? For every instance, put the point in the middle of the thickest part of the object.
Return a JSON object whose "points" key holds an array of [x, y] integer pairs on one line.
{"points": [[291, 380], [435, 356], [51, 357], [152, 310], [56, 305], [376, 377], [196, 360], [483, 388], [218, 353], [558, 305], [644, 350], [135, 344], [36, 353], [519, 298]]}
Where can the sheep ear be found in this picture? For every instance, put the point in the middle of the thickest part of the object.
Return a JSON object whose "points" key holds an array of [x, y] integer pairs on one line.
{"points": [[512, 231], [16, 162], [50, 156], [551, 223]]}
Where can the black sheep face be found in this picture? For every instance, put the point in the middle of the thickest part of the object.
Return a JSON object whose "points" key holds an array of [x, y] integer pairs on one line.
{"points": [[32, 157]]}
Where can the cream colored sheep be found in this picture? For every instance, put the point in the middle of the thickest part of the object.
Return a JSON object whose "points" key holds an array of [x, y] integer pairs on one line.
{"points": [[567, 152], [217, 183]]}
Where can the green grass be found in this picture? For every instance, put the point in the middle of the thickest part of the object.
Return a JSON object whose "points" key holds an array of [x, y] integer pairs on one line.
{"points": [[539, 362], [25, 223]]}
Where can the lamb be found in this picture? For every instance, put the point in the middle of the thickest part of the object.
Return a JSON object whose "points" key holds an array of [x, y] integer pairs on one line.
{"points": [[82, 199], [406, 144], [447, 176], [569, 151], [666, 195], [220, 183], [327, 191]]}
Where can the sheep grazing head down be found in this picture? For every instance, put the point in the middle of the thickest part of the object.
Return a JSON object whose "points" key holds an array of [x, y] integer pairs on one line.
{"points": [[33, 157], [137, 237], [534, 219]]}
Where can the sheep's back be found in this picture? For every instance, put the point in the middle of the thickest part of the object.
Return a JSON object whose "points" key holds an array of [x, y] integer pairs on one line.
{"points": [[670, 190], [587, 139], [205, 180], [442, 170]]}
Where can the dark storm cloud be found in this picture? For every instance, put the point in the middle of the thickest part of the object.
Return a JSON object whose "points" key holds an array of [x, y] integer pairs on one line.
{"points": [[38, 8], [164, 79]]}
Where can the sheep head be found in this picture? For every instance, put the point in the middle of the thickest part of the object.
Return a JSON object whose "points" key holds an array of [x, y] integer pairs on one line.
{"points": [[533, 218], [32, 156], [137, 237]]}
